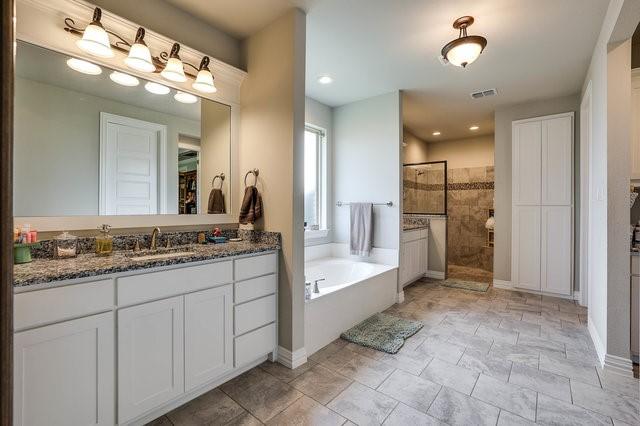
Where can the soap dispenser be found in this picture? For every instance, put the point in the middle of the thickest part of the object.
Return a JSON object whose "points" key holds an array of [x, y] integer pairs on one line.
{"points": [[104, 242]]}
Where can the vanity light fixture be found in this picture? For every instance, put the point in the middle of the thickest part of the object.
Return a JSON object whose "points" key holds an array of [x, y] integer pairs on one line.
{"points": [[185, 98], [85, 67], [174, 69], [325, 79], [156, 89], [124, 79], [474, 128], [204, 80], [436, 133], [139, 57], [95, 40], [465, 49]]}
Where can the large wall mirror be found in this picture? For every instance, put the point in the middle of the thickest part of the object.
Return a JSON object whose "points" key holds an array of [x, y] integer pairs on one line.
{"points": [[425, 188], [89, 141]]}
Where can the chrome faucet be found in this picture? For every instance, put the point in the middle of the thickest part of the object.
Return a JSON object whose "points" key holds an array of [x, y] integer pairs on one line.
{"points": [[154, 238], [315, 285]]}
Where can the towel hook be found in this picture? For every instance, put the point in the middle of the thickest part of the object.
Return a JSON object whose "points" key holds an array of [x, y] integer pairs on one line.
{"points": [[255, 173], [221, 177]]}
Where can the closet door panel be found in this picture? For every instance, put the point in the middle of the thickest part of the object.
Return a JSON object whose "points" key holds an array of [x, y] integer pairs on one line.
{"points": [[556, 249], [525, 267], [557, 164], [526, 172]]}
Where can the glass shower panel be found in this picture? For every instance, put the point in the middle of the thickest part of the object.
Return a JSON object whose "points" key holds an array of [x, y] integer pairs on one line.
{"points": [[425, 188]]}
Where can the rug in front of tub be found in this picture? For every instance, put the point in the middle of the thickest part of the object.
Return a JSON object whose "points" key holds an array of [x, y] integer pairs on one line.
{"points": [[382, 332]]}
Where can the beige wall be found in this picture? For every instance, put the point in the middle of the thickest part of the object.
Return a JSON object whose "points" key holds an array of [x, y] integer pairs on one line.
{"points": [[415, 150], [215, 151], [503, 118], [166, 19], [463, 153], [271, 139]]}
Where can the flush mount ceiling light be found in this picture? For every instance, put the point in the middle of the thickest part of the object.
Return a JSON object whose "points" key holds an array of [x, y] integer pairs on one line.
{"points": [[174, 69], [436, 133], [474, 128], [465, 49], [139, 57], [95, 40], [185, 98], [156, 89], [85, 67], [325, 79], [204, 80], [124, 79]]}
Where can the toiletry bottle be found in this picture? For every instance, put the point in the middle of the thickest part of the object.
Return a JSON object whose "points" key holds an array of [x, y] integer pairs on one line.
{"points": [[104, 242]]}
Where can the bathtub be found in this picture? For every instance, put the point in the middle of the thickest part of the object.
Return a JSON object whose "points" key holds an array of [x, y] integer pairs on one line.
{"points": [[352, 291]]}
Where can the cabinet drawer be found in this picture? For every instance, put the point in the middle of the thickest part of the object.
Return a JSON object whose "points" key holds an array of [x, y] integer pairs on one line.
{"points": [[251, 267], [253, 345], [56, 304], [157, 285], [254, 288], [254, 314]]}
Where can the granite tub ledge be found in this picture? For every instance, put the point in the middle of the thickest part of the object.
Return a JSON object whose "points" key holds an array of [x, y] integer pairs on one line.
{"points": [[50, 271], [414, 226]]}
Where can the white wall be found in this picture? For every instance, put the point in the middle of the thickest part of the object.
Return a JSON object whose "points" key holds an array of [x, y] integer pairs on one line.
{"points": [[366, 164], [321, 115]]}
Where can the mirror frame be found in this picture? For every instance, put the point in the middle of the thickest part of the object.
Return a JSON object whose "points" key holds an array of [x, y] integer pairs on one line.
{"points": [[40, 22]]}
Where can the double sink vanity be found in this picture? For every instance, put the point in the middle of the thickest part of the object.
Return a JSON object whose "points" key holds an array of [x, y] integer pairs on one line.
{"points": [[125, 338]]}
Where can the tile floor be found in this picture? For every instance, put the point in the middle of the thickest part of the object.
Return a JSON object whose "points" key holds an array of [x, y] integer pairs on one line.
{"points": [[494, 358], [467, 273]]}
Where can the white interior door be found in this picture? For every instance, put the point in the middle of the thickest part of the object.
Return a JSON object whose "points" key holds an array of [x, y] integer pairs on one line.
{"points": [[527, 140], [556, 249], [557, 164], [132, 158], [525, 254]]}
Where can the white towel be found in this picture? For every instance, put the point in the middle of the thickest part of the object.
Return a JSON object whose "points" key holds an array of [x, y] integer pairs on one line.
{"points": [[361, 228]]}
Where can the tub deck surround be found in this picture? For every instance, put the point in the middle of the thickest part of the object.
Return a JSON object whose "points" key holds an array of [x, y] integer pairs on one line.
{"points": [[44, 269]]}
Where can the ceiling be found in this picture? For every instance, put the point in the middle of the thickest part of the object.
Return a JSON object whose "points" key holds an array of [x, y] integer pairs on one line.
{"points": [[536, 49]]}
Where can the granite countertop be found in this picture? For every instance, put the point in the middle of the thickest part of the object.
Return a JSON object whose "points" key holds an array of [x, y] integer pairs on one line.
{"points": [[41, 271], [414, 226]]}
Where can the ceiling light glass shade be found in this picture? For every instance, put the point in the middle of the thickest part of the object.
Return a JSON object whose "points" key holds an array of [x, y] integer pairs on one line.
{"points": [[156, 89], [83, 66], [139, 58], [124, 79], [185, 98], [465, 49], [95, 40], [204, 82], [174, 71]]}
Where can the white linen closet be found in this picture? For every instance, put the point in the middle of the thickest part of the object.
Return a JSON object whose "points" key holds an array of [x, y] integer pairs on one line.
{"points": [[542, 204]]}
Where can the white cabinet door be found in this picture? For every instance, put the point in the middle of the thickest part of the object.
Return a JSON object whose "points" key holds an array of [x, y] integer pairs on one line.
{"points": [[150, 356], [557, 164], [527, 140], [525, 252], [64, 373], [556, 249], [424, 257], [208, 335]]}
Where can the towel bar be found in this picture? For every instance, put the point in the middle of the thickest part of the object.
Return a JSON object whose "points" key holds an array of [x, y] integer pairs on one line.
{"points": [[213, 181], [388, 204], [255, 173]]}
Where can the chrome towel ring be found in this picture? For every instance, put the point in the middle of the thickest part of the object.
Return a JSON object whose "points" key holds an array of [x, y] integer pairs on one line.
{"points": [[255, 173], [213, 181]]}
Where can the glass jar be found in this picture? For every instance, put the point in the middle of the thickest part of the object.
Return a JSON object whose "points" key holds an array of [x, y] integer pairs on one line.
{"points": [[65, 246], [104, 242]]}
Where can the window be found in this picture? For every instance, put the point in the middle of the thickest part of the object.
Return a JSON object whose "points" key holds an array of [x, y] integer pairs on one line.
{"points": [[315, 181]]}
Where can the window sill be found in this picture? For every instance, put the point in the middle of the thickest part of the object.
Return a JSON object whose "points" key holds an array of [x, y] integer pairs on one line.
{"points": [[312, 235]]}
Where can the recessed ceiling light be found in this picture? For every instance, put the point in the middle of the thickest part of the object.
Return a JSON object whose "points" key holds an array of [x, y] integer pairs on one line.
{"points": [[124, 79], [436, 133], [474, 128], [185, 98], [85, 67], [156, 89], [325, 79]]}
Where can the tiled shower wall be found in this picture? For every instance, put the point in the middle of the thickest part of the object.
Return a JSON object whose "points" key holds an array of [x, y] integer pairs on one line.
{"points": [[423, 192], [470, 196]]}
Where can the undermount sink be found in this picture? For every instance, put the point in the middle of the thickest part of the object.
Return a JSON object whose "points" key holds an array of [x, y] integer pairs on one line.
{"points": [[160, 254]]}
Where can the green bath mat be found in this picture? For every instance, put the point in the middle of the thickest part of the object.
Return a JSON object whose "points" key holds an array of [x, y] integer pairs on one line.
{"points": [[467, 285], [382, 332]]}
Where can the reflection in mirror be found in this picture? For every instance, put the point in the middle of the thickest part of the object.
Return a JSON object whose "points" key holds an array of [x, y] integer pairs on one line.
{"points": [[425, 188], [92, 141]]}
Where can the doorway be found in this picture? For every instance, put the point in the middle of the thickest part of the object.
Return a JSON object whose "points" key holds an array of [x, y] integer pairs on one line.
{"points": [[189, 187]]}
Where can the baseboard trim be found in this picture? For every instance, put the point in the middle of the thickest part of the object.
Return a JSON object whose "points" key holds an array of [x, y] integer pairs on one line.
{"points": [[292, 359], [526, 290], [576, 295], [438, 275], [401, 297], [597, 341], [618, 365], [502, 284]]}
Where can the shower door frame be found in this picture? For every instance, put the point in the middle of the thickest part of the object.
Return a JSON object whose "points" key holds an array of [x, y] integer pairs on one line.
{"points": [[446, 186]]}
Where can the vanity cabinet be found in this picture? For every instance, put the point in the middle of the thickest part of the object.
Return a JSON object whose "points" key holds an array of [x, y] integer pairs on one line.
{"points": [[413, 255], [64, 373], [150, 356]]}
